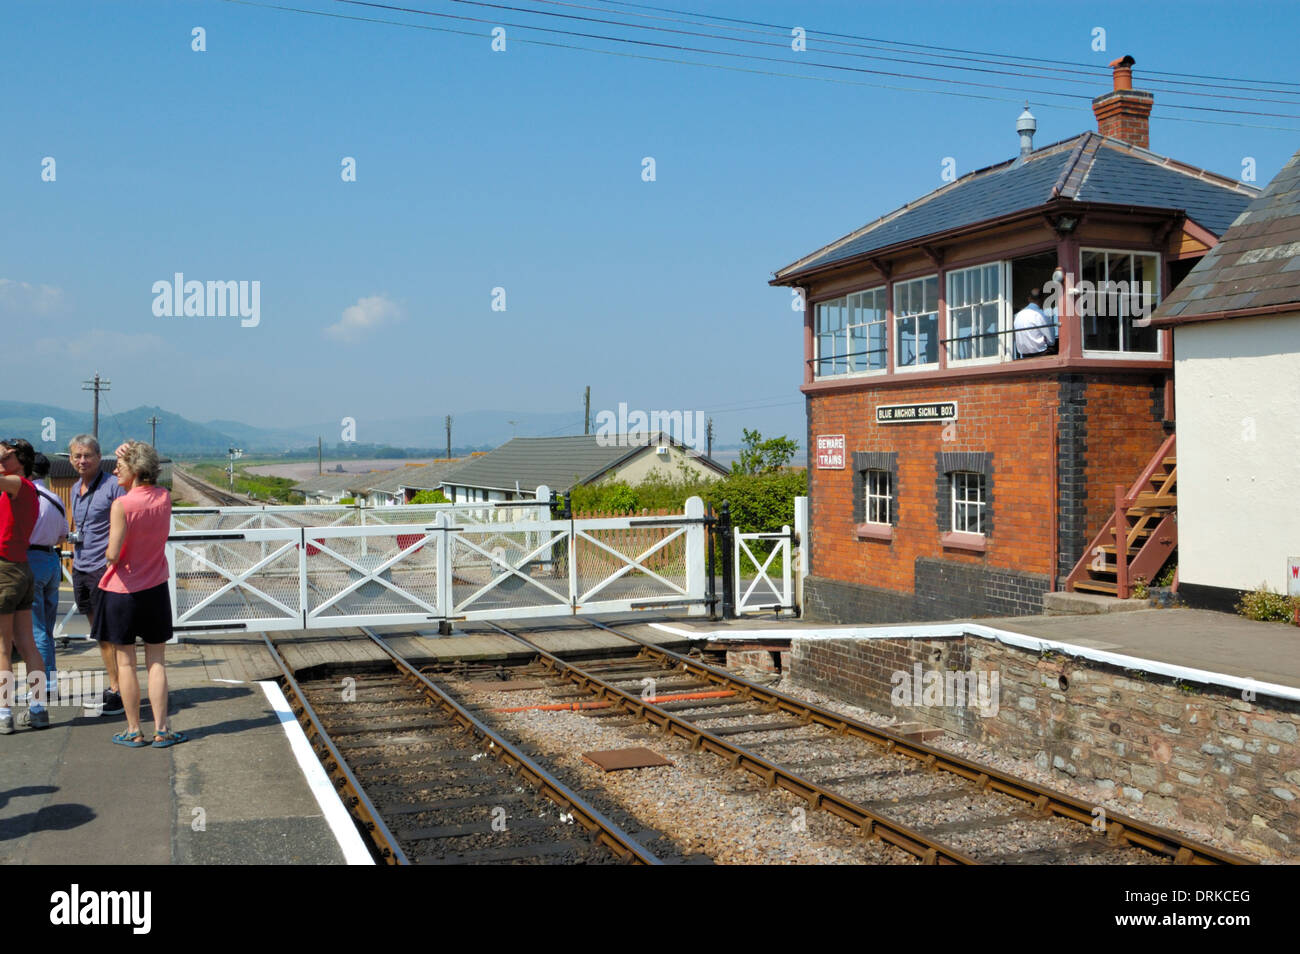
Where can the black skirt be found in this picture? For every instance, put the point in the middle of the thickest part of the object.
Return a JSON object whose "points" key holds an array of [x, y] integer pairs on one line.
{"points": [[122, 617]]}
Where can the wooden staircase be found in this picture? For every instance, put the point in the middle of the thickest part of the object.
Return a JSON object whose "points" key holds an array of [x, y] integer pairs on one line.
{"points": [[1146, 519]]}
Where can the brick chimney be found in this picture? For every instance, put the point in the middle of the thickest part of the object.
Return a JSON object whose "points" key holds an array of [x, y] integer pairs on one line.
{"points": [[1125, 112]]}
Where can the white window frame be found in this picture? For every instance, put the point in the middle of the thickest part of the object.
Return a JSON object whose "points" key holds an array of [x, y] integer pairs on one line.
{"points": [[853, 305], [897, 336], [872, 478], [1003, 350], [1158, 286], [963, 502]]}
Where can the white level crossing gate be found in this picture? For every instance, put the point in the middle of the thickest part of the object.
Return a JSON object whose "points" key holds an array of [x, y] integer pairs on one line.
{"points": [[272, 568]]}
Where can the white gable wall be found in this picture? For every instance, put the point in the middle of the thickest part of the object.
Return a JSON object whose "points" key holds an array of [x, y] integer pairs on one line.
{"points": [[1237, 387]]}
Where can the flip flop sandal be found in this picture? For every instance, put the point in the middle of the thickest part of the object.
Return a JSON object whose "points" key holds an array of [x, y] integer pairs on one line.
{"points": [[134, 740], [164, 740]]}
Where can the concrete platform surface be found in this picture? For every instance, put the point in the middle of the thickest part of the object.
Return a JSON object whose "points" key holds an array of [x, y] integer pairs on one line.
{"points": [[232, 794]]}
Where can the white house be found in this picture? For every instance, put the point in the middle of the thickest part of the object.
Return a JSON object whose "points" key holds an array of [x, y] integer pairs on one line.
{"points": [[1236, 321]]}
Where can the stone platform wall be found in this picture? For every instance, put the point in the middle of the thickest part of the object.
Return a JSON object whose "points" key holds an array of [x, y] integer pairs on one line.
{"points": [[1200, 756]]}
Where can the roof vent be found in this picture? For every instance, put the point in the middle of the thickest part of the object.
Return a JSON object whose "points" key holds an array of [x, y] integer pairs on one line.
{"points": [[1026, 126]]}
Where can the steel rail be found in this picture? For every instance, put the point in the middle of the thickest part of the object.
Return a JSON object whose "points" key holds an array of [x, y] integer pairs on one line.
{"points": [[1120, 829], [602, 829], [207, 489], [357, 800], [868, 822]]}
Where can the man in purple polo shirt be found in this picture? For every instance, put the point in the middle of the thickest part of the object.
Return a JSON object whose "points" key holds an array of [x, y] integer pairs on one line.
{"points": [[92, 500]]}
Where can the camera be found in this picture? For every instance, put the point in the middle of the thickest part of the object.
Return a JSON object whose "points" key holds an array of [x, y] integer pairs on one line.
{"points": [[74, 537]]}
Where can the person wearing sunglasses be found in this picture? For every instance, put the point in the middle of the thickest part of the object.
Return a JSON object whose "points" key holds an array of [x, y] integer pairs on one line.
{"points": [[19, 508]]}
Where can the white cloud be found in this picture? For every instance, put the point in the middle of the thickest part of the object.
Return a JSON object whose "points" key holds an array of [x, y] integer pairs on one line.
{"points": [[104, 345], [368, 314], [23, 299]]}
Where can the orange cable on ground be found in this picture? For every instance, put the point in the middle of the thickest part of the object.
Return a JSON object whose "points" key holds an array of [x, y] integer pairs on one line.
{"points": [[577, 706]]}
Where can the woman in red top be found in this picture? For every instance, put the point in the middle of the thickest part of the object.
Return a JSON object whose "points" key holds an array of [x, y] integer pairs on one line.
{"points": [[135, 600], [19, 506]]}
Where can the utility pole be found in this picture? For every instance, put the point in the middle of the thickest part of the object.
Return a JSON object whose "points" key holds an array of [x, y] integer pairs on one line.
{"points": [[709, 431], [153, 431], [320, 467], [96, 385], [586, 412], [448, 422]]}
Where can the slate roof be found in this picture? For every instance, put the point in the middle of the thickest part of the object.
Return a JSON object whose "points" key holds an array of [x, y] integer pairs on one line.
{"points": [[429, 477], [329, 483], [558, 462], [1255, 265], [1088, 168]]}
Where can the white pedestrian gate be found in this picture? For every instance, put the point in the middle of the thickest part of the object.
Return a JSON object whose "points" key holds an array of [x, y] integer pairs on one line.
{"points": [[756, 575]]}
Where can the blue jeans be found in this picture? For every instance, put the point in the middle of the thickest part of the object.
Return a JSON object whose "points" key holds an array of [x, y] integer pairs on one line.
{"points": [[45, 610]]}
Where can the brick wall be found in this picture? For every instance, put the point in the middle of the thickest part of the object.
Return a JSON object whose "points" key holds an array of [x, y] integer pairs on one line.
{"points": [[1011, 419], [1200, 757], [1124, 428], [1093, 430]]}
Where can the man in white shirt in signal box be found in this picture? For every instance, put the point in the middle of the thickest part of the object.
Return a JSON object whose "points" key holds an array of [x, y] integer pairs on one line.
{"points": [[1035, 332]]}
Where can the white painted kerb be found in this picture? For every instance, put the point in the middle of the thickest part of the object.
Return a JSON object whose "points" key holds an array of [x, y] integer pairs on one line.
{"points": [[340, 822], [1019, 640]]}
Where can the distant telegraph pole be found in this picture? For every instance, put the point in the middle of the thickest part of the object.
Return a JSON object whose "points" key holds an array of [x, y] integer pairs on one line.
{"points": [[586, 411], [448, 422], [709, 431], [320, 467], [96, 384], [153, 431]]}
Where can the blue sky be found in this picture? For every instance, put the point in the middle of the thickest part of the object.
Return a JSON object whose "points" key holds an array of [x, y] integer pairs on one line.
{"points": [[519, 169]]}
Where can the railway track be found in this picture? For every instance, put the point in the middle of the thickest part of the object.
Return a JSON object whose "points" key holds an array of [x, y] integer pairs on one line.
{"points": [[428, 782], [218, 497], [936, 806]]}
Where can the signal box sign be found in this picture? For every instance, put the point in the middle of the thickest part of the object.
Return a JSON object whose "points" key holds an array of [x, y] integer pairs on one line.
{"points": [[830, 451], [914, 413]]}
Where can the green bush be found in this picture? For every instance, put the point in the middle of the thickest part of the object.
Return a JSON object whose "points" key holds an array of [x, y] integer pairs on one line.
{"points": [[759, 503], [1266, 606], [429, 497]]}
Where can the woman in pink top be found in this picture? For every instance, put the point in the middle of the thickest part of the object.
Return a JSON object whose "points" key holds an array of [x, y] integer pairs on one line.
{"points": [[135, 600]]}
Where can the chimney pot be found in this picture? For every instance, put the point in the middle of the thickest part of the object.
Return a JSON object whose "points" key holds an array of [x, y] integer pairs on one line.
{"points": [[1123, 75]]}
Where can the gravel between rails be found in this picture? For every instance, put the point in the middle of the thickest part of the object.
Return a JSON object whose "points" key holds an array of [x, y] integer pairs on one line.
{"points": [[699, 803]]}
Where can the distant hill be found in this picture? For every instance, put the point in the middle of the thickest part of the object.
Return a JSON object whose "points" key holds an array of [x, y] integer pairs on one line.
{"points": [[180, 437]]}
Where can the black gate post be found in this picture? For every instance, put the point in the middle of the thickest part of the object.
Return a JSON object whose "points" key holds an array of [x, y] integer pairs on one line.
{"points": [[710, 583], [728, 563]]}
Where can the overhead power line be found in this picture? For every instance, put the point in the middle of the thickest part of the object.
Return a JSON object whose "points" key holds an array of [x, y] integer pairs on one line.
{"points": [[1016, 66], [1021, 92], [818, 64], [1102, 70]]}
